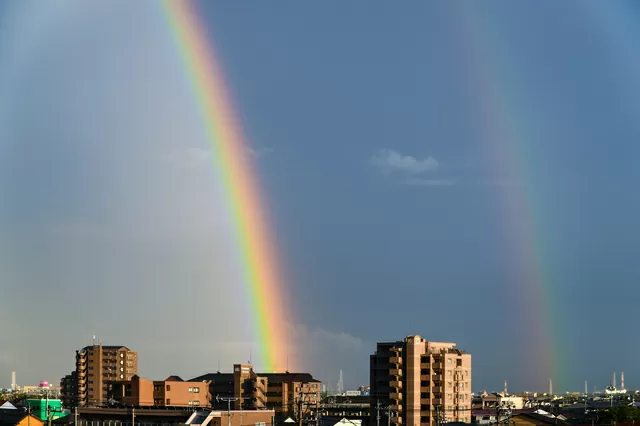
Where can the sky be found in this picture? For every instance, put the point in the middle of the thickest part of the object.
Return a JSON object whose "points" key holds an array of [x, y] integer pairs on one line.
{"points": [[463, 171]]}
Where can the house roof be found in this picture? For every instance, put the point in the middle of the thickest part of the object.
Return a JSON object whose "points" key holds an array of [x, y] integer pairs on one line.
{"points": [[289, 377], [6, 405], [173, 379], [110, 347], [541, 418], [12, 417], [273, 377]]}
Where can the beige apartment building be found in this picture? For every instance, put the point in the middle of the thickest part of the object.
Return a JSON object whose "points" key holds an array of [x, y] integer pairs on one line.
{"points": [[420, 382], [95, 366]]}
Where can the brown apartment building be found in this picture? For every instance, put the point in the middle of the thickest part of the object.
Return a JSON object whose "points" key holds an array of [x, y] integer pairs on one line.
{"points": [[285, 393], [172, 392], [95, 366], [420, 382]]}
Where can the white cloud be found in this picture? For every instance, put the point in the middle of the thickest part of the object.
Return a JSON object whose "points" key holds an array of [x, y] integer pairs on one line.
{"points": [[259, 152], [388, 161], [417, 181]]}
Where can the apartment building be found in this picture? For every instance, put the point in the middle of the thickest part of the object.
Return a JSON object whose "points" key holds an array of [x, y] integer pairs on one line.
{"points": [[69, 390], [95, 366], [172, 392], [419, 383], [285, 393]]}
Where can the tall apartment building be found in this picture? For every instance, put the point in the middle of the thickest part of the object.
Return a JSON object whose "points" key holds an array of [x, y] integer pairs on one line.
{"points": [[285, 393], [420, 382], [95, 366]]}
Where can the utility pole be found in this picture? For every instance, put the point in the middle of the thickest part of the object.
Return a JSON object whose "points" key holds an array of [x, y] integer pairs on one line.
{"points": [[388, 415], [229, 401], [75, 416], [299, 409], [378, 414]]}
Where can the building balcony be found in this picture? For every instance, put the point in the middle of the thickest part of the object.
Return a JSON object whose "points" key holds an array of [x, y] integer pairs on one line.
{"points": [[396, 420], [425, 389], [437, 401], [395, 384], [425, 377], [395, 360], [395, 395], [396, 408], [395, 372], [437, 365], [438, 389], [425, 401]]}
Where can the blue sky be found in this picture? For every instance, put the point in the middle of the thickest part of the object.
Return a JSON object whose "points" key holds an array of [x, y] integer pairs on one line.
{"points": [[372, 123]]}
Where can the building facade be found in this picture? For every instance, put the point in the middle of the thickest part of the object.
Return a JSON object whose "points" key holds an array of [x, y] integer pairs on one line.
{"points": [[419, 383], [96, 366], [285, 393], [172, 392]]}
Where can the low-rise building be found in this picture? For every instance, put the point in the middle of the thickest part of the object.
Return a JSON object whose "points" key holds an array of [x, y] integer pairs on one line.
{"points": [[172, 392], [285, 393], [346, 406]]}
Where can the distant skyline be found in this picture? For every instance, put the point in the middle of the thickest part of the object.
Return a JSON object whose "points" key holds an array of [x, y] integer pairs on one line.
{"points": [[461, 171]]}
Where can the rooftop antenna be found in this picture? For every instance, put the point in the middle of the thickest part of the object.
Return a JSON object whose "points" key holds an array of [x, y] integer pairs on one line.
{"points": [[613, 380], [505, 388], [622, 381], [586, 388], [550, 387], [218, 365], [94, 340]]}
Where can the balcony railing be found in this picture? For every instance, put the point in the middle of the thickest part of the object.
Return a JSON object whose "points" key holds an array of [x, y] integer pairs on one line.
{"points": [[395, 384], [395, 360], [395, 372], [395, 395], [437, 365]]}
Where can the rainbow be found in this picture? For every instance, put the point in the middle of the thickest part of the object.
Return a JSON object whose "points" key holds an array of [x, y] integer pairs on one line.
{"points": [[501, 119], [262, 280]]}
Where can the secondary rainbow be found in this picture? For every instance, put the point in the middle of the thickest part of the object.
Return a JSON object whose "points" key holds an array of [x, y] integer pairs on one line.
{"points": [[501, 118], [262, 279]]}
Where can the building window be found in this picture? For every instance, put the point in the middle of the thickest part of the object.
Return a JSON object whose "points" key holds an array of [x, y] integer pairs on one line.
{"points": [[168, 401], [190, 389], [168, 387], [448, 360], [196, 390], [458, 362], [449, 384], [449, 396], [196, 402], [449, 373]]}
